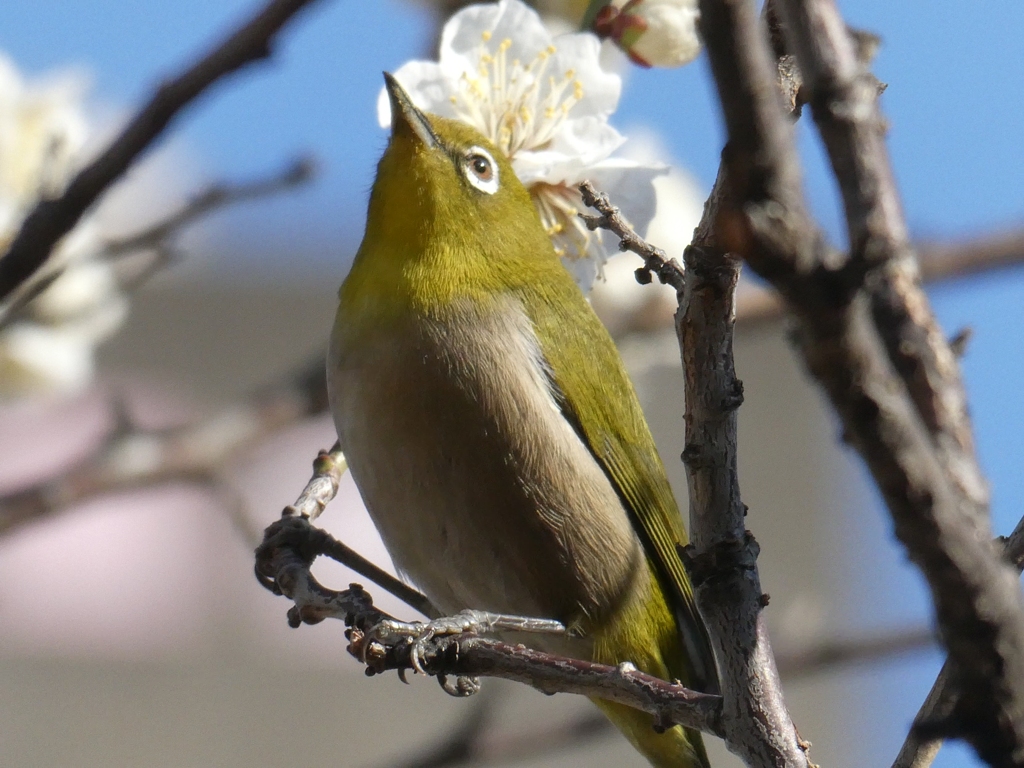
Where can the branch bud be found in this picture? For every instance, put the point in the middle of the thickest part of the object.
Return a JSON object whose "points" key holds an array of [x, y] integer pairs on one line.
{"points": [[653, 33]]}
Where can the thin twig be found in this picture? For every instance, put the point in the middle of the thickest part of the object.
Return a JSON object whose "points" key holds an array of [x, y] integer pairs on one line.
{"points": [[52, 219], [157, 238], [919, 748], [216, 196], [957, 258], [938, 261], [132, 458], [827, 655], [669, 271], [328, 469], [295, 530], [283, 565]]}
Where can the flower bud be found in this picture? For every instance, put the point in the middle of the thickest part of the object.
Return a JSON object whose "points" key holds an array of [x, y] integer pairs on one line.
{"points": [[653, 33]]}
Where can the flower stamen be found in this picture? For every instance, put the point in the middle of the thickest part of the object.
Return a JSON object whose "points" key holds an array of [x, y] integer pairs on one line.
{"points": [[559, 206], [518, 107]]}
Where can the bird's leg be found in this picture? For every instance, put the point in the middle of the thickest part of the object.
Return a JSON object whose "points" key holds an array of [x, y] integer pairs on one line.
{"points": [[419, 634]]}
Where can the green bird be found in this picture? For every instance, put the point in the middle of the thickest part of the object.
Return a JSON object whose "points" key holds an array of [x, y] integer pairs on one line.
{"points": [[492, 430]]}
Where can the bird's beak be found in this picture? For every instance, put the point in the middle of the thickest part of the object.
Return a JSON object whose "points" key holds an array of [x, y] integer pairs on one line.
{"points": [[405, 117]]}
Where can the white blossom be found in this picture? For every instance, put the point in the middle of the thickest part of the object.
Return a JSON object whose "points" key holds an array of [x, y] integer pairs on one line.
{"points": [[655, 33], [50, 348], [622, 302], [545, 102]]}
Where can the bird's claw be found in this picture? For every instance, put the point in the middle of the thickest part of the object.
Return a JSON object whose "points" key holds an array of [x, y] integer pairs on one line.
{"points": [[416, 634], [419, 634]]}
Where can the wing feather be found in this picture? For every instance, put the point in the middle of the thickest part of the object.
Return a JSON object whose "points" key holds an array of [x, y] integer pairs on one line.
{"points": [[596, 396]]}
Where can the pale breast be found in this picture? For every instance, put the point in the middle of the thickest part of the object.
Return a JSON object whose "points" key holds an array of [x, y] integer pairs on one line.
{"points": [[483, 493]]}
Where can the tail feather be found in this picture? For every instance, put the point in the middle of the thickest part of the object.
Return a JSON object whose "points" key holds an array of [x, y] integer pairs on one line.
{"points": [[645, 632], [677, 747]]}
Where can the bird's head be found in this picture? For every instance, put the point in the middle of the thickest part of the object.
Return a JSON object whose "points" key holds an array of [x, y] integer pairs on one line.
{"points": [[446, 200]]}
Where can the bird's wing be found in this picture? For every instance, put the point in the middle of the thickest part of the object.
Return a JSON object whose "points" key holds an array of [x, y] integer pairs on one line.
{"points": [[585, 369]]}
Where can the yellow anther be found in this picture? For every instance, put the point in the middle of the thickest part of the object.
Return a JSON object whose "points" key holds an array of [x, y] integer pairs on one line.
{"points": [[505, 44], [486, 35]]}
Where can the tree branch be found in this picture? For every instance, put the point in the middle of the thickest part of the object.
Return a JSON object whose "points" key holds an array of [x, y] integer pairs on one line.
{"points": [[132, 458], [156, 237], [922, 744], [844, 102], [213, 198], [294, 533], [938, 261], [52, 219], [824, 655], [942, 260], [978, 600], [722, 559], [835, 301], [283, 565], [480, 738]]}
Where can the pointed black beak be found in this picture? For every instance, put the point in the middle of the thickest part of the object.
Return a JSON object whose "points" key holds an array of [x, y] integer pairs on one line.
{"points": [[405, 116]]}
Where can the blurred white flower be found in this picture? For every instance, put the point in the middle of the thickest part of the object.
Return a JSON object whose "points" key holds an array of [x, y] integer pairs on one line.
{"points": [[42, 131], [622, 303], [655, 33], [544, 101], [50, 347]]}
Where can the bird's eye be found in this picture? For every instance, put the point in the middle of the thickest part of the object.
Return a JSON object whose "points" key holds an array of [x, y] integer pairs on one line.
{"points": [[482, 167], [481, 170]]}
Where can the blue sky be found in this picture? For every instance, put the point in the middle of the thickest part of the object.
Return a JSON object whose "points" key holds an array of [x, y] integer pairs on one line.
{"points": [[956, 85], [955, 74]]}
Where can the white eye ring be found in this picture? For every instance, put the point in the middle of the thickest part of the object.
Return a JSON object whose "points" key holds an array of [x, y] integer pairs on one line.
{"points": [[480, 169]]}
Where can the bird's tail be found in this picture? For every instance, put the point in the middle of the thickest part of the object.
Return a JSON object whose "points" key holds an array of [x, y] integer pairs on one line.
{"points": [[677, 747]]}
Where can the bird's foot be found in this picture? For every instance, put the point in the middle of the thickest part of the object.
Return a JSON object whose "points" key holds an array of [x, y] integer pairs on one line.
{"points": [[420, 634]]}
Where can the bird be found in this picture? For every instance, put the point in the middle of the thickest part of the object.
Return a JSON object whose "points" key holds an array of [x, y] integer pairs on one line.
{"points": [[491, 429]]}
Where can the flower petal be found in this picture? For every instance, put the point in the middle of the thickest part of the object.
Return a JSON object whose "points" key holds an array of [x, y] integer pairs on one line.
{"points": [[38, 358], [581, 53], [426, 85], [577, 148], [82, 287], [632, 185], [634, 191], [506, 20]]}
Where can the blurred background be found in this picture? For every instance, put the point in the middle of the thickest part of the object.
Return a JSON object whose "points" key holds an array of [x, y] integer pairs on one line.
{"points": [[132, 632]]}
